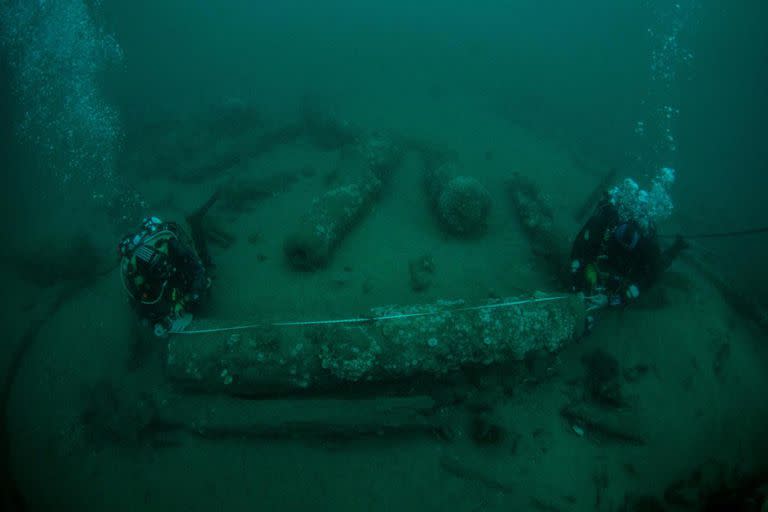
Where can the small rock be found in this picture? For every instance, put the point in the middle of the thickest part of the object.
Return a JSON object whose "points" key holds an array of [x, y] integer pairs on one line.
{"points": [[602, 384], [422, 273], [636, 372], [721, 358], [487, 432]]}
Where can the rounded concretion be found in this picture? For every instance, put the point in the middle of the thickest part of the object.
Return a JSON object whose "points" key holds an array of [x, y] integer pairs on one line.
{"points": [[463, 206]]}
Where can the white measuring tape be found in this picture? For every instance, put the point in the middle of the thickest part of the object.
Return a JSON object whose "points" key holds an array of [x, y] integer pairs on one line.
{"points": [[360, 320]]}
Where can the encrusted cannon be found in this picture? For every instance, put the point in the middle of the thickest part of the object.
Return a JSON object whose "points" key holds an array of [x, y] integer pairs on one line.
{"points": [[330, 217], [391, 344]]}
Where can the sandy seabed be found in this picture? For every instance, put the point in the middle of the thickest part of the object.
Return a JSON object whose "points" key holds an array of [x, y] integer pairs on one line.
{"points": [[698, 402]]}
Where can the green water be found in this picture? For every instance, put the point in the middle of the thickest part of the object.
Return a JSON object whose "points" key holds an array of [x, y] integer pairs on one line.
{"points": [[114, 110]]}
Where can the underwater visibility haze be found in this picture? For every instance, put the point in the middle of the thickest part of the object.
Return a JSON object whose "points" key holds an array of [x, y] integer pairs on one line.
{"points": [[384, 255]]}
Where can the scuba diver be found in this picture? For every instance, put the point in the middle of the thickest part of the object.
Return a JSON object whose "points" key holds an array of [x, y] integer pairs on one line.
{"points": [[617, 255], [165, 273]]}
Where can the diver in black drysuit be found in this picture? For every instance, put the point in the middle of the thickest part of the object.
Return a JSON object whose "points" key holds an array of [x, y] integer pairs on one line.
{"points": [[617, 260], [165, 272]]}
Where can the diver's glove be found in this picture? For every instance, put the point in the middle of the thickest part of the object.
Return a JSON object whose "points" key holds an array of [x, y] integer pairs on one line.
{"points": [[597, 301], [632, 292], [181, 322], [170, 325], [615, 300]]}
